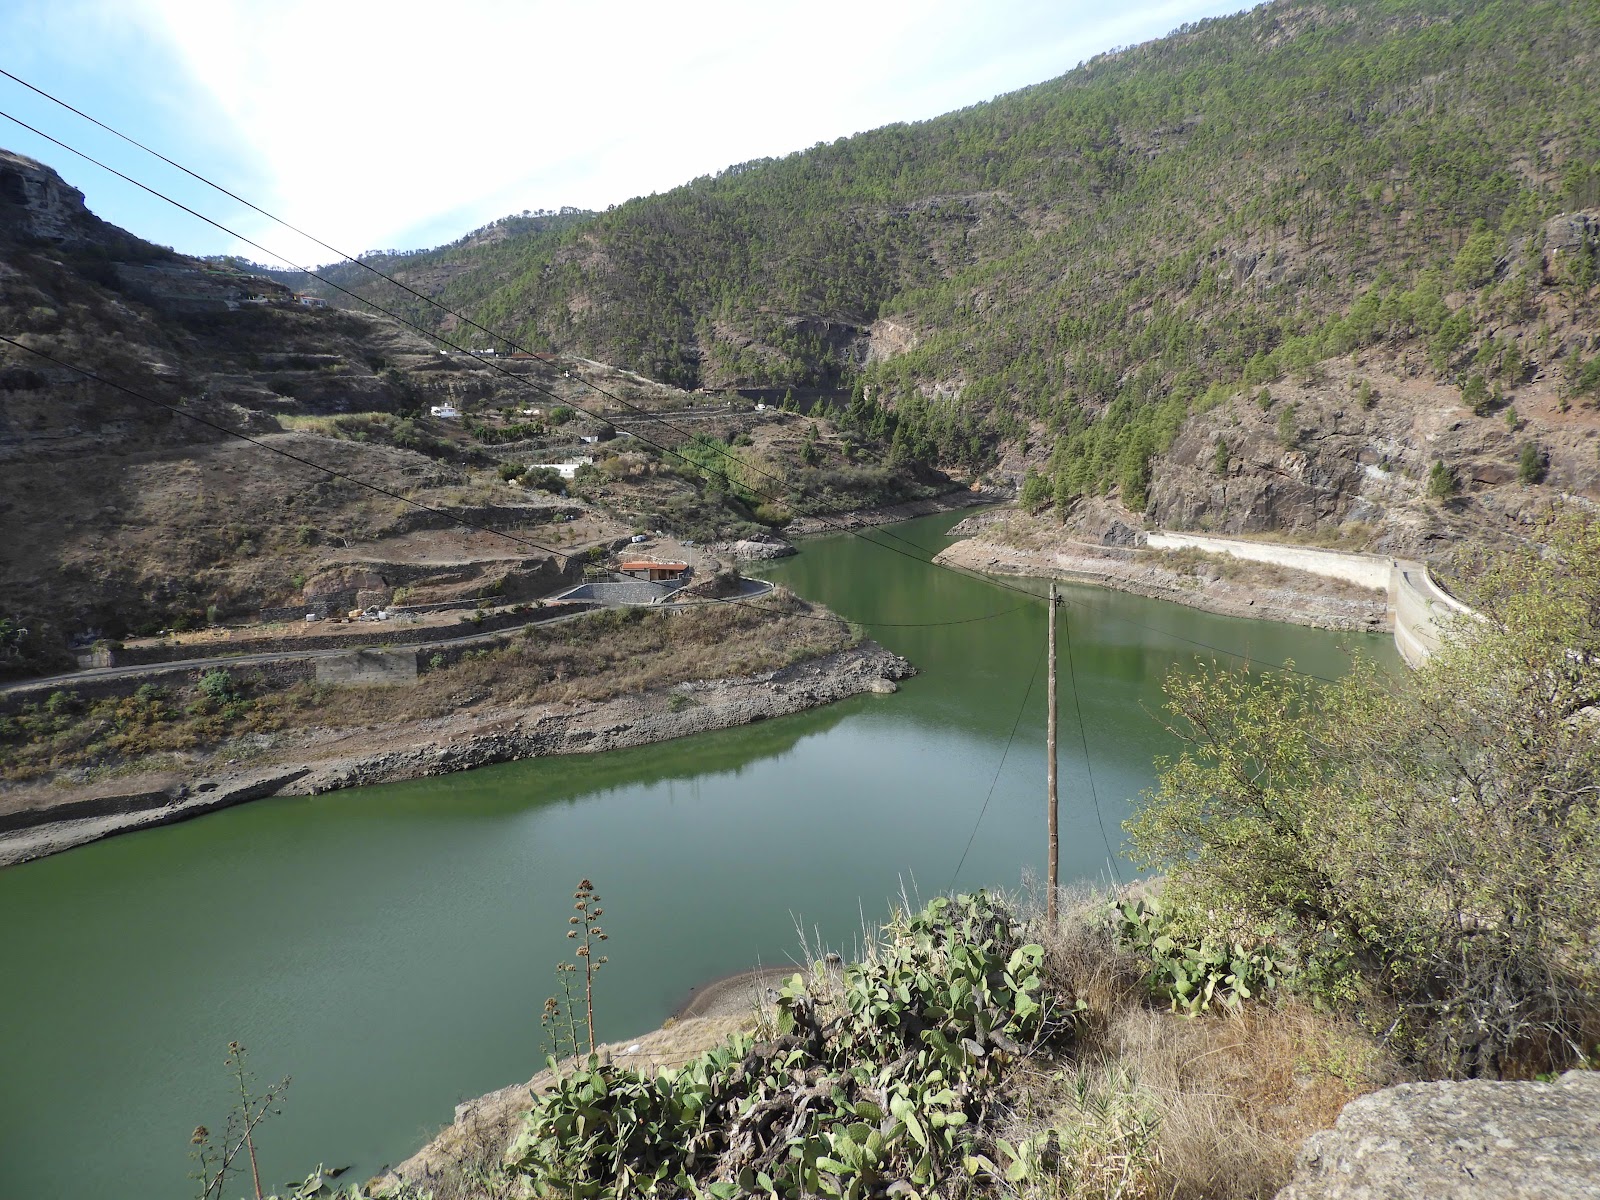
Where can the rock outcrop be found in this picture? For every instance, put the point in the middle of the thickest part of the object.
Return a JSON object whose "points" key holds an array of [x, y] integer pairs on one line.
{"points": [[38, 203], [763, 547], [1477, 1140]]}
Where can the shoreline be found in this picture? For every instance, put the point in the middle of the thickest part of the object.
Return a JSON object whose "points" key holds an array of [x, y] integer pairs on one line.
{"points": [[732, 995], [456, 743], [862, 518], [1248, 590], [482, 1129]]}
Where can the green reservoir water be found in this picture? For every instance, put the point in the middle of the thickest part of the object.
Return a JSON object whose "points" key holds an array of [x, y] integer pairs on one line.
{"points": [[390, 947]]}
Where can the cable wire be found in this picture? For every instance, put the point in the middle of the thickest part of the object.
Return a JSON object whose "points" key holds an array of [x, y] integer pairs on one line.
{"points": [[523, 380], [356, 260], [993, 783], [1083, 735], [514, 377], [660, 418]]}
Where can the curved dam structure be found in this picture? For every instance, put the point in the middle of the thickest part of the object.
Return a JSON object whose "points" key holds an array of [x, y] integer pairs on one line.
{"points": [[1419, 609]]}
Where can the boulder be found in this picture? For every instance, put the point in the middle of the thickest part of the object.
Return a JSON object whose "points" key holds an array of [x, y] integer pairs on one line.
{"points": [[760, 548], [1476, 1140]]}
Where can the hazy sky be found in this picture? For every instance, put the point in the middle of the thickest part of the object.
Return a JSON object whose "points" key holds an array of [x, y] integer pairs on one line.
{"points": [[400, 124]]}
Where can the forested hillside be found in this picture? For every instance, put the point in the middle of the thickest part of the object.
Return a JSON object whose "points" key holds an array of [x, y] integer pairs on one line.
{"points": [[1075, 265]]}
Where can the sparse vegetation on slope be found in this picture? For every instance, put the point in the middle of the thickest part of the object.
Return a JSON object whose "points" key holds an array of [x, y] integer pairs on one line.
{"points": [[1079, 265]]}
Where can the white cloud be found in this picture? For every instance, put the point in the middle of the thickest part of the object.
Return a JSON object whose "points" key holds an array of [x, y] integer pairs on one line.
{"points": [[403, 123]]}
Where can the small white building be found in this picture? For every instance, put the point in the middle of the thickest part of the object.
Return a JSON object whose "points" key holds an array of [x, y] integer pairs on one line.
{"points": [[567, 470], [311, 301], [445, 411]]}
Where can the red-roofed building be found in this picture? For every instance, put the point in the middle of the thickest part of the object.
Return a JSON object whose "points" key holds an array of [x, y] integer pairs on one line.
{"points": [[655, 571]]}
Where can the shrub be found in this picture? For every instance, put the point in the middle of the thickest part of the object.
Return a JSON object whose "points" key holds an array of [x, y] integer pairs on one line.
{"points": [[1288, 427], [1035, 491], [1441, 482], [1475, 395], [1193, 975], [59, 704], [544, 479], [218, 686], [1425, 845], [1531, 465]]}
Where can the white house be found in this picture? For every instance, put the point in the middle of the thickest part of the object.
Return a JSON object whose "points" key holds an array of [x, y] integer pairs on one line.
{"points": [[567, 470], [445, 411]]}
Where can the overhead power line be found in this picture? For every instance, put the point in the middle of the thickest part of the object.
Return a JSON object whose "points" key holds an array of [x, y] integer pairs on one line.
{"points": [[282, 453], [523, 380], [520, 380], [357, 261]]}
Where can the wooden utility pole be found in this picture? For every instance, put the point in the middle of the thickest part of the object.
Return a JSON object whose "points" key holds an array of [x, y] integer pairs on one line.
{"points": [[1052, 872]]}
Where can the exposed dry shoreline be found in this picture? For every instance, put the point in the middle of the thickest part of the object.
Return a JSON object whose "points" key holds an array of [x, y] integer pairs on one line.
{"points": [[329, 759], [1232, 588], [863, 517]]}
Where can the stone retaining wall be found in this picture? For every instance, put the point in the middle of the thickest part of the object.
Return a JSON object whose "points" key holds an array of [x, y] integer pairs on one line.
{"points": [[369, 668], [273, 674]]}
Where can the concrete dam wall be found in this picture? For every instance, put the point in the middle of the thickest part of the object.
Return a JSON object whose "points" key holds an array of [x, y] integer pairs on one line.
{"points": [[1420, 611]]}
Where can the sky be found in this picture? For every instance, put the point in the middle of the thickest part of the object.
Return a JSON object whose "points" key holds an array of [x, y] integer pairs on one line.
{"points": [[395, 124]]}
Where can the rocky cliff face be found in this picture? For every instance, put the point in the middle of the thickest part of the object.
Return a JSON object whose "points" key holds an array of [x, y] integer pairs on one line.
{"points": [[1349, 445], [36, 203], [116, 512]]}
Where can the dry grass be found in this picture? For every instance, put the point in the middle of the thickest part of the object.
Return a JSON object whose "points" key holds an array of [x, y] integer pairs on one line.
{"points": [[610, 654], [1152, 1104], [1207, 565], [630, 651]]}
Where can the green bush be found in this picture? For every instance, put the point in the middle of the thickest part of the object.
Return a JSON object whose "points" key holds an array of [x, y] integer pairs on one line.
{"points": [[217, 686], [881, 1085], [544, 479], [1288, 427], [1441, 482], [1193, 975], [1428, 842], [1035, 491], [1531, 466]]}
